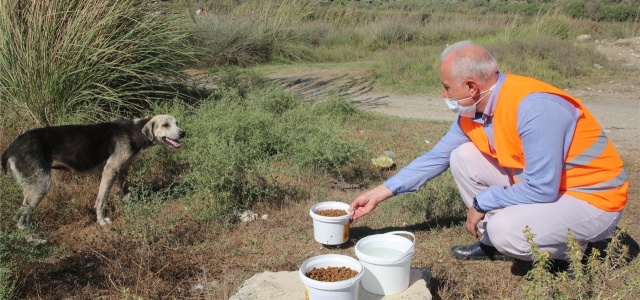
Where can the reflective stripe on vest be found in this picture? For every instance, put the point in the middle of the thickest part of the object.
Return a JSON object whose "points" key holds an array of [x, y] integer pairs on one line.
{"points": [[590, 153], [612, 184]]}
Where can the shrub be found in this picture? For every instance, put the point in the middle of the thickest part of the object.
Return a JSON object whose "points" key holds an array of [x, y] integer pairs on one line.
{"points": [[246, 139]]}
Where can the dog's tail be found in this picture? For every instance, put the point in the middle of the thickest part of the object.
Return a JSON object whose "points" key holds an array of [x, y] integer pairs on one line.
{"points": [[4, 162], [5, 158]]}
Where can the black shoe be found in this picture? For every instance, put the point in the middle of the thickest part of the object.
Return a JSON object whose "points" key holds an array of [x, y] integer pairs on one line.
{"points": [[558, 266], [521, 267], [478, 251], [601, 246]]}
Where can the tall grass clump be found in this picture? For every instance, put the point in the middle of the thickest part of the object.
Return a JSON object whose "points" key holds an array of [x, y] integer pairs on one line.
{"points": [[597, 276], [393, 31], [251, 148], [255, 32], [100, 59]]}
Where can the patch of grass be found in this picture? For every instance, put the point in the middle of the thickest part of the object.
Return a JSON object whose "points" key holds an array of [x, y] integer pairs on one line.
{"points": [[15, 252], [409, 70], [255, 32], [559, 62]]}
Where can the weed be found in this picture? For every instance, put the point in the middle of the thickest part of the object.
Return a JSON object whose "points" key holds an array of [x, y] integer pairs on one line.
{"points": [[587, 277]]}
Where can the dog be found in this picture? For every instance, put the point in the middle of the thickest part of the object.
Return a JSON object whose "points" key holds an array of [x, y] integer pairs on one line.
{"points": [[109, 148]]}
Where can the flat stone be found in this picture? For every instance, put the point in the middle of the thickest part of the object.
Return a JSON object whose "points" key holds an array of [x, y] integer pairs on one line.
{"points": [[287, 285]]}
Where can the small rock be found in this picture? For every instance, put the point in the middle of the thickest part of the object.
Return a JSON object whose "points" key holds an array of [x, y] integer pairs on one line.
{"points": [[248, 216], [583, 38], [265, 216]]}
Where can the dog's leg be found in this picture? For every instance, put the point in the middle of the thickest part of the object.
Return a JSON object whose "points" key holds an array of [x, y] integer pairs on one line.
{"points": [[34, 189], [108, 177], [110, 173], [123, 183]]}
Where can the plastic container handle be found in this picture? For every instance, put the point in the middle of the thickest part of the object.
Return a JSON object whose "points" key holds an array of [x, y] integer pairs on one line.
{"points": [[412, 246]]}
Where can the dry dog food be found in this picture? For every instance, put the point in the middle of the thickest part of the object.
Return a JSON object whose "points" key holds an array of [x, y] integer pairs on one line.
{"points": [[331, 274], [331, 212]]}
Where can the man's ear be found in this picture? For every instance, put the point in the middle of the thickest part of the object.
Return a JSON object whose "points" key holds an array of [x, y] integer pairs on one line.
{"points": [[147, 130], [472, 86]]}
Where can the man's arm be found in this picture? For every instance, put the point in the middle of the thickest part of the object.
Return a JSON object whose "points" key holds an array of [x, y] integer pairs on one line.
{"points": [[429, 165]]}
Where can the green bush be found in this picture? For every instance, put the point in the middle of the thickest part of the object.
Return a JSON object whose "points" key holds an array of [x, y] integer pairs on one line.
{"points": [[234, 144], [313, 139], [96, 59], [603, 10]]}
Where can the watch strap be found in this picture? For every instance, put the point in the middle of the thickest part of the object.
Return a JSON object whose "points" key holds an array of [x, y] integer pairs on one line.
{"points": [[477, 206]]}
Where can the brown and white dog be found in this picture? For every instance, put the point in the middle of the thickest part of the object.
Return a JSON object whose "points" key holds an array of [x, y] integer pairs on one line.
{"points": [[109, 148]]}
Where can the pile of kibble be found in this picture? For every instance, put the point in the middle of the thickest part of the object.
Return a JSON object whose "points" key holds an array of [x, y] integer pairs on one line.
{"points": [[331, 274], [331, 212]]}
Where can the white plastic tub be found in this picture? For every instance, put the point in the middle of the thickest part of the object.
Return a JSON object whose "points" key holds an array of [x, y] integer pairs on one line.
{"points": [[339, 290], [386, 259], [330, 230]]}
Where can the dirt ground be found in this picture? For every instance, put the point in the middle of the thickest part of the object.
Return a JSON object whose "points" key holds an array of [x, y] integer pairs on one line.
{"points": [[99, 263]]}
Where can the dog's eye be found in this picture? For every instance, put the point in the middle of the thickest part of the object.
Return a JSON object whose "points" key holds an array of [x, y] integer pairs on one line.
{"points": [[165, 125]]}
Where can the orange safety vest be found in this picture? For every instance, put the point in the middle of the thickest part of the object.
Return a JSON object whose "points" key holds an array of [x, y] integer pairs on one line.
{"points": [[593, 170]]}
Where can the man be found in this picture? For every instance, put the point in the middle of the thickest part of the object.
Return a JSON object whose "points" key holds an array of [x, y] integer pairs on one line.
{"points": [[522, 153]]}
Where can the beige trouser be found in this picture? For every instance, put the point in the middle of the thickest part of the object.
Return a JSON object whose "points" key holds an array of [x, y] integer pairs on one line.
{"points": [[502, 228]]}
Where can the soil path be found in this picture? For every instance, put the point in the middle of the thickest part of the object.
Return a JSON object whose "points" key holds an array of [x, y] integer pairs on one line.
{"points": [[615, 104]]}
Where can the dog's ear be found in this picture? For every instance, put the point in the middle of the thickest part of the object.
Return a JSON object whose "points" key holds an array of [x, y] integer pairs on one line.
{"points": [[147, 130]]}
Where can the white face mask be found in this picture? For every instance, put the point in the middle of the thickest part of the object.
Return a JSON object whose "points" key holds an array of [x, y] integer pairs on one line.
{"points": [[466, 111]]}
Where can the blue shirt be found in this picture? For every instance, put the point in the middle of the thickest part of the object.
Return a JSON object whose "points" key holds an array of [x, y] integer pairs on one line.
{"points": [[546, 124]]}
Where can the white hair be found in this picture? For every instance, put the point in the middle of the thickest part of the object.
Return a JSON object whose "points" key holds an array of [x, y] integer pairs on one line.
{"points": [[470, 64]]}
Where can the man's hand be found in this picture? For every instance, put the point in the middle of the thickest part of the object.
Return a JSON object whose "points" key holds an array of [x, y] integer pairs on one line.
{"points": [[367, 201], [473, 218]]}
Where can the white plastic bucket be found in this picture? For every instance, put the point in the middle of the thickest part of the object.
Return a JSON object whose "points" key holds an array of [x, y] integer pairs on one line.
{"points": [[386, 259], [330, 230], [338, 290]]}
